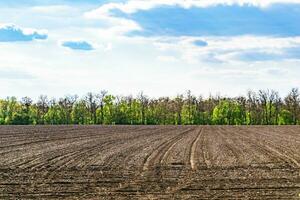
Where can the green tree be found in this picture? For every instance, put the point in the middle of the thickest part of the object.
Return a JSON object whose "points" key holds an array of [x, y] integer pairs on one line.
{"points": [[285, 117]]}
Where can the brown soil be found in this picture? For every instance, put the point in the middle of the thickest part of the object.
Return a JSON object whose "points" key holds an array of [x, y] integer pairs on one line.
{"points": [[150, 162]]}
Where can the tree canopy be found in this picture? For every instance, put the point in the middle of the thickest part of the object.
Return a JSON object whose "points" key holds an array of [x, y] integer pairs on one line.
{"points": [[264, 107]]}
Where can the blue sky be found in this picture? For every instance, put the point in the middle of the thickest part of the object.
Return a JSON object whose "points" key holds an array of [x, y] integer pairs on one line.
{"points": [[161, 47], [276, 20], [78, 45]]}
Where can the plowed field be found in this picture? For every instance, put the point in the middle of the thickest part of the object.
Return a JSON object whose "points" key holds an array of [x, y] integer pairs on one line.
{"points": [[150, 162]]}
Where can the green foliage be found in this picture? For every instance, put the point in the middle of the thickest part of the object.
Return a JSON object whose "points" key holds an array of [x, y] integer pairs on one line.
{"points": [[229, 113], [265, 108], [285, 117], [79, 113]]}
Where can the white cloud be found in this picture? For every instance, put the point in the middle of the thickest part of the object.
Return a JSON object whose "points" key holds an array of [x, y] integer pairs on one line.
{"points": [[108, 47], [167, 58], [115, 25], [229, 49], [14, 74], [151, 64], [133, 6], [132, 66], [54, 9], [119, 25]]}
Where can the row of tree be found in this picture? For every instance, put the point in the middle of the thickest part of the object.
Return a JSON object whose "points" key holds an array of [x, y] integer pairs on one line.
{"points": [[264, 107]]}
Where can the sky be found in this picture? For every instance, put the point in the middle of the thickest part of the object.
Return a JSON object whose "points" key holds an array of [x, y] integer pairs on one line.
{"points": [[160, 47]]}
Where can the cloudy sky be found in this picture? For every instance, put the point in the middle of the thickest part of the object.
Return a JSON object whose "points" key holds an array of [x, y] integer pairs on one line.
{"points": [[161, 47]]}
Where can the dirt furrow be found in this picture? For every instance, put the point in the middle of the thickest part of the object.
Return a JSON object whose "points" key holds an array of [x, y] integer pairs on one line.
{"points": [[268, 146], [193, 158], [149, 162], [157, 155]]}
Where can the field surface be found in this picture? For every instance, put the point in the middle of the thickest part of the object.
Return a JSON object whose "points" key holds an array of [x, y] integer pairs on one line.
{"points": [[149, 162]]}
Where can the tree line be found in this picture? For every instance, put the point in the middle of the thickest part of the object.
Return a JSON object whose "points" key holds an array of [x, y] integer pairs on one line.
{"points": [[264, 107]]}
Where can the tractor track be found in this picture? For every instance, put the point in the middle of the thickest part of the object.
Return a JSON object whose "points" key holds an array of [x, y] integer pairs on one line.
{"points": [[193, 159], [149, 162], [158, 154]]}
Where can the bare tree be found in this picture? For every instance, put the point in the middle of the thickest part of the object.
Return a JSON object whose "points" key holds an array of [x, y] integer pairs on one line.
{"points": [[178, 104], [263, 98], [277, 105], [43, 106], [292, 102], [241, 101], [91, 104], [129, 100], [191, 100], [143, 99], [101, 97], [267, 100], [26, 102], [67, 104], [200, 105], [251, 106]]}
